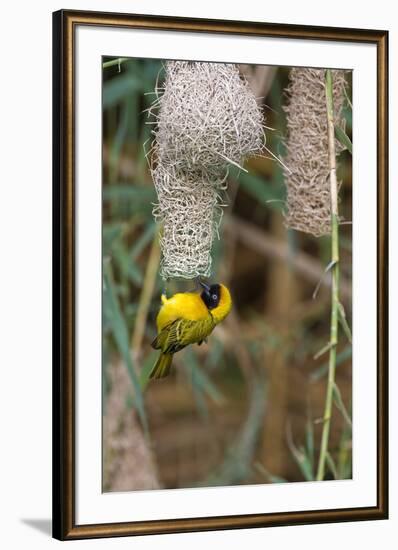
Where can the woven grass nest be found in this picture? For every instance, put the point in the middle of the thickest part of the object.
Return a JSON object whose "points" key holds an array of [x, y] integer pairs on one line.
{"points": [[307, 176], [207, 119]]}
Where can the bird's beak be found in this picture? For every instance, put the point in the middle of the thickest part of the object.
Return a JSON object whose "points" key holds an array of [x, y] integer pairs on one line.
{"points": [[205, 286]]}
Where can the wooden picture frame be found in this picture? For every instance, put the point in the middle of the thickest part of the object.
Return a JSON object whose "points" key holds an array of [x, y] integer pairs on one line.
{"points": [[65, 24]]}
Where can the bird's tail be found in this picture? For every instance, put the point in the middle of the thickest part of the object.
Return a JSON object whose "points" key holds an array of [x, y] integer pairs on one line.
{"points": [[162, 366]]}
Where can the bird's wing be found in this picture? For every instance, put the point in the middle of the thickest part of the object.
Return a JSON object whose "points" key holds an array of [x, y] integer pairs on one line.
{"points": [[182, 332], [165, 336]]}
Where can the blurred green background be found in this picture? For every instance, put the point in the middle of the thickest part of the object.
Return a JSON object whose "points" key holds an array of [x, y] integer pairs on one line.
{"points": [[246, 407]]}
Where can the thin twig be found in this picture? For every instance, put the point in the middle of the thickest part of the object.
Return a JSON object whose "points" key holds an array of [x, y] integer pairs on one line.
{"points": [[334, 317], [114, 62]]}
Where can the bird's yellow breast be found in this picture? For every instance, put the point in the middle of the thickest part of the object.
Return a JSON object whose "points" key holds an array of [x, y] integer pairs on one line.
{"points": [[184, 305]]}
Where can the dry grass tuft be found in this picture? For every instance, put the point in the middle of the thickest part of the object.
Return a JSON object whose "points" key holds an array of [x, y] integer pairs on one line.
{"points": [[307, 181]]}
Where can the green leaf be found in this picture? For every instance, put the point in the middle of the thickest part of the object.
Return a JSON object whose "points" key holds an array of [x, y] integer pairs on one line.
{"points": [[109, 234], [331, 464], [345, 453], [121, 337], [323, 369], [135, 273], [338, 400], [200, 380], [304, 464], [118, 140], [300, 457], [215, 354], [118, 88], [270, 477], [144, 239], [310, 447], [121, 258], [342, 137], [147, 368], [237, 464], [135, 198], [343, 322], [327, 347], [347, 98]]}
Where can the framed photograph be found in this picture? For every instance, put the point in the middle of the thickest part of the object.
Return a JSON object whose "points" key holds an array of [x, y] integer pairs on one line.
{"points": [[220, 274]]}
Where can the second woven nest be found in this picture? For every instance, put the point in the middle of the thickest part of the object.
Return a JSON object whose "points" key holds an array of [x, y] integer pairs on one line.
{"points": [[207, 119], [307, 177]]}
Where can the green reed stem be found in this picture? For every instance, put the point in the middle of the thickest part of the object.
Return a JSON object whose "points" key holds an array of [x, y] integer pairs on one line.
{"points": [[114, 62], [334, 317]]}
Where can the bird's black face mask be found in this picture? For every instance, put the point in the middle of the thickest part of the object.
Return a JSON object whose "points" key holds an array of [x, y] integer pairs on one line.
{"points": [[211, 295]]}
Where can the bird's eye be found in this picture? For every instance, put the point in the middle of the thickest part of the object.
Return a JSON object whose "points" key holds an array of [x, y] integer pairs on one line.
{"points": [[214, 296]]}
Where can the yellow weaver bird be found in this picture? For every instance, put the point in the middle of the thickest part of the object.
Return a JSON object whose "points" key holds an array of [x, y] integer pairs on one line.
{"points": [[187, 318]]}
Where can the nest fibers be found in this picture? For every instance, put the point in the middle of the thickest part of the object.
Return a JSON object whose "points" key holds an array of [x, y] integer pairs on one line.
{"points": [[207, 119], [307, 181]]}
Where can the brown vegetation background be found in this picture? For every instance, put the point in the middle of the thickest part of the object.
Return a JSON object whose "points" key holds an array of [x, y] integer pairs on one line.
{"points": [[246, 407]]}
